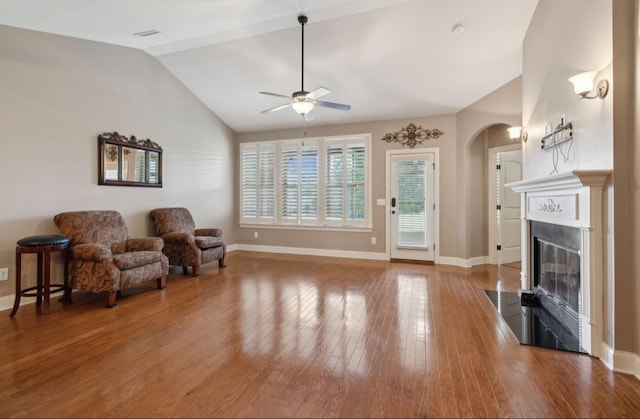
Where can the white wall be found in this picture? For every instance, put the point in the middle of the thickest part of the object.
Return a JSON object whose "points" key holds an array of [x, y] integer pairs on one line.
{"points": [[356, 241], [58, 94], [502, 106], [564, 38]]}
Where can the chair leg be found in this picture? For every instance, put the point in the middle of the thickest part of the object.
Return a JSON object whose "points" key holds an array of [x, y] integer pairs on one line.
{"points": [[161, 282], [110, 298], [221, 262], [185, 270], [194, 268]]}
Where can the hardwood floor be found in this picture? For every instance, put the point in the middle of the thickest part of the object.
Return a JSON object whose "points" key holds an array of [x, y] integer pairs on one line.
{"points": [[297, 336]]}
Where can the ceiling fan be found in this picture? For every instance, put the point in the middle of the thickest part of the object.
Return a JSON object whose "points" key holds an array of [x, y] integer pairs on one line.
{"points": [[302, 101]]}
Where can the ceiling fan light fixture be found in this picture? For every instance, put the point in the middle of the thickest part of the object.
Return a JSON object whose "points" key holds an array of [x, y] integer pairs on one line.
{"points": [[302, 101], [302, 107]]}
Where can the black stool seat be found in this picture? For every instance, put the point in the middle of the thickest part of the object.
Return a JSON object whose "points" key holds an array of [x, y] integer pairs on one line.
{"points": [[43, 240]]}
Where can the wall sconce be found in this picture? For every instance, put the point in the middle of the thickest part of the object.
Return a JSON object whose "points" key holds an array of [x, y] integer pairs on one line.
{"points": [[514, 133], [517, 134], [583, 85]]}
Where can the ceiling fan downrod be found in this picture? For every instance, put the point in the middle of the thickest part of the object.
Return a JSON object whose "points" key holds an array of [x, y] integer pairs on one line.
{"points": [[302, 19]]}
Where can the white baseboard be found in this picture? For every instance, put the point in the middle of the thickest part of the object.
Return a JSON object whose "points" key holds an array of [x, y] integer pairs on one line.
{"points": [[480, 260], [463, 263], [621, 361], [309, 251], [442, 260], [446, 260]]}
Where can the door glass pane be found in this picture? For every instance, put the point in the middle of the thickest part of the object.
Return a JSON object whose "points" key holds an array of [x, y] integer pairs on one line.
{"points": [[412, 221]]}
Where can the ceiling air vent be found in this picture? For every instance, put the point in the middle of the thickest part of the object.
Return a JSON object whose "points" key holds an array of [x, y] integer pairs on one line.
{"points": [[147, 33]]}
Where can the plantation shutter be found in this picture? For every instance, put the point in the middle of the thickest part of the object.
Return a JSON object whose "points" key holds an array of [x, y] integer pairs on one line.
{"points": [[289, 183], [249, 184], [355, 182], [334, 186], [309, 183], [266, 191]]}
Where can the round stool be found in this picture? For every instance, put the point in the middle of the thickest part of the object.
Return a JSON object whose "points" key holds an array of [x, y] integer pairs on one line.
{"points": [[42, 246]]}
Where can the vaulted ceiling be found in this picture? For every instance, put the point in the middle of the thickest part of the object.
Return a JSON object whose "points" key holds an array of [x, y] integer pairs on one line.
{"points": [[386, 58]]}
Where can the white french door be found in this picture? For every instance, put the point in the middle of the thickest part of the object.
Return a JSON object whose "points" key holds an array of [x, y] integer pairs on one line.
{"points": [[412, 206], [508, 208], [505, 166]]}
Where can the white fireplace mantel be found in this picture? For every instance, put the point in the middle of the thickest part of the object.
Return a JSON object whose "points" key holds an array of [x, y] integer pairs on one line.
{"points": [[576, 178], [573, 199]]}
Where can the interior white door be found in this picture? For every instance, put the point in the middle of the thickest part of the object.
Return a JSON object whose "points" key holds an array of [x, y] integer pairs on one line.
{"points": [[508, 214], [412, 207]]}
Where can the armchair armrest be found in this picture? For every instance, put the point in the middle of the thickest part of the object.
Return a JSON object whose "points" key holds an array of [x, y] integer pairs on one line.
{"points": [[91, 253], [178, 238], [145, 243], [215, 232]]}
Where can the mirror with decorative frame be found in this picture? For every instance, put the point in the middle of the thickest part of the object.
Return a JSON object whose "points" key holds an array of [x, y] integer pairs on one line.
{"points": [[128, 161]]}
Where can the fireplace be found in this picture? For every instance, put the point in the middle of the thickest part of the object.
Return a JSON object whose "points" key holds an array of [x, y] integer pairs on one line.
{"points": [[555, 256], [562, 250]]}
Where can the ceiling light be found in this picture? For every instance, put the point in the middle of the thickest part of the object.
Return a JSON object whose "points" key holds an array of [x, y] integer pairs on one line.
{"points": [[583, 85], [302, 107]]}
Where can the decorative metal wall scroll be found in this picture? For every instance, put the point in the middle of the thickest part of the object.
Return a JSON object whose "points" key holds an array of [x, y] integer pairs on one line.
{"points": [[412, 135], [128, 161]]}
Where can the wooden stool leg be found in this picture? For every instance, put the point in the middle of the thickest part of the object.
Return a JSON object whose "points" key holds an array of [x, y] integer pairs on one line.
{"points": [[47, 280], [39, 283], [16, 302]]}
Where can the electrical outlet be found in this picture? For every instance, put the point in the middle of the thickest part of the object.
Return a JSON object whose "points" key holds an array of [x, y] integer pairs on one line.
{"points": [[255, 234], [4, 274], [373, 240]]}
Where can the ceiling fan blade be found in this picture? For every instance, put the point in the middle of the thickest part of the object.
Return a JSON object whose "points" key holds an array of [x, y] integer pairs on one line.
{"points": [[332, 105], [277, 108], [275, 94], [309, 116], [319, 92]]}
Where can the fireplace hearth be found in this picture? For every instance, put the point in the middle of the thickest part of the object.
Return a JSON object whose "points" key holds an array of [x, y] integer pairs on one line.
{"points": [[534, 325]]}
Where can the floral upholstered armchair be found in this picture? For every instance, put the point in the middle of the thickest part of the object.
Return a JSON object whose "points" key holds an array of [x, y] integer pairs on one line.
{"points": [[185, 245], [102, 257]]}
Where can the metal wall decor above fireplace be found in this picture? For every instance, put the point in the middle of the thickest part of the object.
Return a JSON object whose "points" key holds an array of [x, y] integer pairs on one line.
{"points": [[128, 161]]}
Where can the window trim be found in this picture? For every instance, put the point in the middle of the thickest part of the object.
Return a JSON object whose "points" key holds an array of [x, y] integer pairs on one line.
{"points": [[306, 224]]}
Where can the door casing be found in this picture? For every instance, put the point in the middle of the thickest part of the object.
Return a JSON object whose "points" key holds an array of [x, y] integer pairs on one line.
{"points": [[492, 201], [436, 195]]}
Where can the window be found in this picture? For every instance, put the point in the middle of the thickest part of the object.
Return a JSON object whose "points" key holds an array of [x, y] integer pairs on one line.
{"points": [[322, 182], [258, 189]]}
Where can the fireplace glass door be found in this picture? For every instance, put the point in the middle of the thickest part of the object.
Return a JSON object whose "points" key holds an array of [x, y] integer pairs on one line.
{"points": [[558, 272]]}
